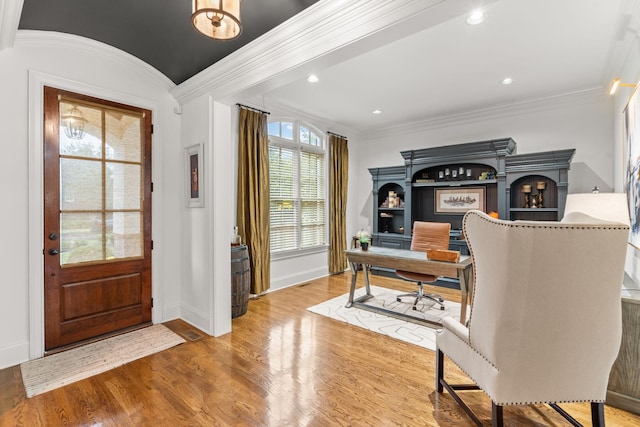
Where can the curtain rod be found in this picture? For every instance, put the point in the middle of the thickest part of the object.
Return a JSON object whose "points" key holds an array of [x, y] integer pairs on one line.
{"points": [[332, 133], [252, 108]]}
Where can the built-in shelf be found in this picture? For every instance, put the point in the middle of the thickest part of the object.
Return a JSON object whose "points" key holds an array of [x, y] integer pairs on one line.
{"points": [[490, 168], [454, 183], [533, 210]]}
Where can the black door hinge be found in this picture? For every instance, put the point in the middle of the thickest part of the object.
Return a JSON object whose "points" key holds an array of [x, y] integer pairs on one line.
{"points": [[152, 187], [152, 245], [151, 302], [151, 129]]}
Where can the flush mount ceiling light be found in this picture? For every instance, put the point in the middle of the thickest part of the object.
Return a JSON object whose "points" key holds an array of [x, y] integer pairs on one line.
{"points": [[312, 78], [617, 83], [506, 81], [73, 123], [218, 19], [376, 112], [477, 17]]}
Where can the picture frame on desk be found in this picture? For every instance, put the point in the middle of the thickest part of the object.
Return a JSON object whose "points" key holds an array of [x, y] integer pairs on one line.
{"points": [[194, 176], [458, 200]]}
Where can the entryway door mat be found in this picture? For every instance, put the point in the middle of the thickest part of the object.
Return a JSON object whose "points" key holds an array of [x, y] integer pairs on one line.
{"points": [[419, 334], [51, 372]]}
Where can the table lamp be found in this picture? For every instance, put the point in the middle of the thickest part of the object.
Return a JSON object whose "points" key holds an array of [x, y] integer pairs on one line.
{"points": [[606, 206]]}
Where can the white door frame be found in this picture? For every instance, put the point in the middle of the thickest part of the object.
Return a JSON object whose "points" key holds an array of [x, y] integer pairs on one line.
{"points": [[37, 81]]}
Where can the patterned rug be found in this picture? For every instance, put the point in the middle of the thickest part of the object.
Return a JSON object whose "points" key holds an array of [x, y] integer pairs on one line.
{"points": [[420, 334], [51, 372]]}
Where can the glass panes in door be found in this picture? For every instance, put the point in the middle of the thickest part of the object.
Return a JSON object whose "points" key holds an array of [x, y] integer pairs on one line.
{"points": [[101, 185]]}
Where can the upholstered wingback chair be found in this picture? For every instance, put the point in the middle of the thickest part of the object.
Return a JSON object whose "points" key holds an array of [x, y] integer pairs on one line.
{"points": [[545, 322]]}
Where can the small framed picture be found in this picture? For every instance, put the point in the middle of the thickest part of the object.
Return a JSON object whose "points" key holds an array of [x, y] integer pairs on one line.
{"points": [[194, 175], [458, 200]]}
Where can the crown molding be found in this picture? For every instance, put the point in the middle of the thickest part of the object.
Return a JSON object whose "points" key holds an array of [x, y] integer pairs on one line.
{"points": [[329, 29], [578, 98], [27, 38], [10, 11]]}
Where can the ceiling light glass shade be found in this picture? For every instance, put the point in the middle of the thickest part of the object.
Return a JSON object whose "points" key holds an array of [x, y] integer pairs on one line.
{"points": [[218, 19], [73, 123]]}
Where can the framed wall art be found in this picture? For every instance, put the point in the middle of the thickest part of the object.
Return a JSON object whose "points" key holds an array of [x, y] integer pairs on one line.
{"points": [[632, 165], [194, 175], [458, 200]]}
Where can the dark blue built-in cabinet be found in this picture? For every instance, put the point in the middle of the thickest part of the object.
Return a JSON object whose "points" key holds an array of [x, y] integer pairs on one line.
{"points": [[439, 183]]}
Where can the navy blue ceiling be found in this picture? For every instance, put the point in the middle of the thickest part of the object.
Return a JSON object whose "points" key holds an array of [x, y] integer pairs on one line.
{"points": [[158, 32]]}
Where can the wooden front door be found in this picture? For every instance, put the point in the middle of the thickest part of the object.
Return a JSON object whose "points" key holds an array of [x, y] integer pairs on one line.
{"points": [[97, 217]]}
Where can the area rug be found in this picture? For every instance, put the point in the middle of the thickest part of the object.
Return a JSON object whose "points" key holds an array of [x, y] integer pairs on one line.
{"points": [[419, 334], [51, 372]]}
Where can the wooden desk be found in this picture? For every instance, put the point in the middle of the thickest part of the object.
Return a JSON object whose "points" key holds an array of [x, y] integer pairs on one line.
{"points": [[402, 259]]}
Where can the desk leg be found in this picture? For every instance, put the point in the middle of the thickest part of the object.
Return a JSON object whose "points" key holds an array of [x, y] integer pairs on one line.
{"points": [[466, 277], [365, 270], [352, 290]]}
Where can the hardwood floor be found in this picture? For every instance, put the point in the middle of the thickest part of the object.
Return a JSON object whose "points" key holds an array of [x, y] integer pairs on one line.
{"points": [[281, 366]]}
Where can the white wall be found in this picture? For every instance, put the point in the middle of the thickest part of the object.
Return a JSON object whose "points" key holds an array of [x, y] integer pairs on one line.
{"points": [[206, 231], [75, 64], [581, 121]]}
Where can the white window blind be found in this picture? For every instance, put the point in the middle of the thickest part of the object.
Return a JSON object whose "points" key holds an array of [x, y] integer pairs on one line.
{"points": [[297, 182]]}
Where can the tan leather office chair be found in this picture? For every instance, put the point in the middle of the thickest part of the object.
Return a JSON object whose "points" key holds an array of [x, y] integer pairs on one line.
{"points": [[426, 235], [545, 323]]}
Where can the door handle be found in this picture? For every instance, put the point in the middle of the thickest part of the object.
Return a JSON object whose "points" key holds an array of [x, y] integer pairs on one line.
{"points": [[53, 251]]}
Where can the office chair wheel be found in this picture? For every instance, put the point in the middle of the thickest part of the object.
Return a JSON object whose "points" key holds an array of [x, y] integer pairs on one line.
{"points": [[398, 300], [415, 308], [440, 299], [442, 307]]}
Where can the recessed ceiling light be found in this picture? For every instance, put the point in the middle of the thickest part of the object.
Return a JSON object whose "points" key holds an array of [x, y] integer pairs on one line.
{"points": [[313, 78], [506, 81], [377, 111], [476, 17]]}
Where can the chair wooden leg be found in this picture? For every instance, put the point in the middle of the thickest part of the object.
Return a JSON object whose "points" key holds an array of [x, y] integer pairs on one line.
{"points": [[597, 414], [439, 370], [496, 415]]}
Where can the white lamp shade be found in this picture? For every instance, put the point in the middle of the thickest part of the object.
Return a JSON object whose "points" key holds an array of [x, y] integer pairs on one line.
{"points": [[605, 206]]}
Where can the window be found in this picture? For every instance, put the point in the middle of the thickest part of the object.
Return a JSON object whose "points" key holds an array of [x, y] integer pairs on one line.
{"points": [[297, 180]]}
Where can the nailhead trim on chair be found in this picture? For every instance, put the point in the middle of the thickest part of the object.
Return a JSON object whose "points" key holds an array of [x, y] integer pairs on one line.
{"points": [[515, 403], [526, 224]]}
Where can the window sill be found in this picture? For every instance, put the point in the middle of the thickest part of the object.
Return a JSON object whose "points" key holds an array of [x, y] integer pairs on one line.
{"points": [[298, 252]]}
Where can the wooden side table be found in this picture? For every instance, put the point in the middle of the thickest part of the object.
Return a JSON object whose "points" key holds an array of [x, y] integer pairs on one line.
{"points": [[623, 390]]}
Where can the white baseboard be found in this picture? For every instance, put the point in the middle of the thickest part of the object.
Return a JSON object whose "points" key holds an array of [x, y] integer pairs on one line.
{"points": [[167, 313], [195, 317], [14, 354], [297, 278]]}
